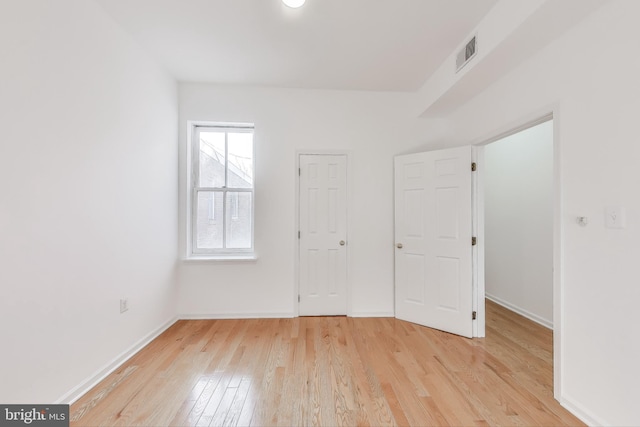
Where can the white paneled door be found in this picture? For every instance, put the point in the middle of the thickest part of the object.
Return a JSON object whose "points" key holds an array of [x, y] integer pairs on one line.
{"points": [[323, 235], [433, 233]]}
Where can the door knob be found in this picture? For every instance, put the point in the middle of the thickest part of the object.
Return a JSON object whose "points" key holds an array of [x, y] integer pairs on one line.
{"points": [[342, 242], [399, 246]]}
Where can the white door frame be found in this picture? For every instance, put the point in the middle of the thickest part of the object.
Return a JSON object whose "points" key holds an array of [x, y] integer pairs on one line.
{"points": [[296, 255], [477, 228], [550, 113]]}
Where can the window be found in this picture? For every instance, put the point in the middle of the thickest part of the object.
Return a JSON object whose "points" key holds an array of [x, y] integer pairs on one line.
{"points": [[222, 190]]}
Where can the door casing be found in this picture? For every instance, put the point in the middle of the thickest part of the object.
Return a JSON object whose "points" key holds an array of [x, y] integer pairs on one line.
{"points": [[537, 117]]}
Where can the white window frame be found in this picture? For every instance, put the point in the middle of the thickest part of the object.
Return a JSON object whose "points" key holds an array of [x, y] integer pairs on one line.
{"points": [[193, 165]]}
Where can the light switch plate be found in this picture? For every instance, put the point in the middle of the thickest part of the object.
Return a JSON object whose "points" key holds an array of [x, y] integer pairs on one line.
{"points": [[615, 217]]}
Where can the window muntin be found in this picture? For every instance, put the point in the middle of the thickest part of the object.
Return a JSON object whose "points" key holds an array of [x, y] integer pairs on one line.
{"points": [[223, 190]]}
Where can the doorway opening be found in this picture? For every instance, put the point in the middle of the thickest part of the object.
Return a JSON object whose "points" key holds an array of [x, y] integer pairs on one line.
{"points": [[519, 207], [441, 243], [518, 222]]}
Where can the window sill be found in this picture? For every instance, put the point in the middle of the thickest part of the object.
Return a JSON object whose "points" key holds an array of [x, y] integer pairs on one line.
{"points": [[198, 259]]}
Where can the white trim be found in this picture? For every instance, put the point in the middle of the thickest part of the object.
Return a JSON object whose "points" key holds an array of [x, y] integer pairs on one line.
{"points": [[526, 123], [372, 314], [296, 240], [223, 316], [544, 114], [477, 206], [90, 382], [558, 299], [521, 311], [583, 414], [227, 125], [221, 258]]}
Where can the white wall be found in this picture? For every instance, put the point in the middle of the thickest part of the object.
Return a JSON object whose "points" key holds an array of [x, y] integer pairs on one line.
{"points": [[590, 77], [373, 127], [518, 245], [88, 166]]}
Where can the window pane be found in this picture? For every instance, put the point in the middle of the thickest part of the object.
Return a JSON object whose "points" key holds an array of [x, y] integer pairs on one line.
{"points": [[239, 220], [212, 156], [240, 160], [209, 221]]}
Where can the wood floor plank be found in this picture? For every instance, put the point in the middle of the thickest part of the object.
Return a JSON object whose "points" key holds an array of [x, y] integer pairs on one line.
{"points": [[233, 414], [182, 415], [261, 346], [332, 371]]}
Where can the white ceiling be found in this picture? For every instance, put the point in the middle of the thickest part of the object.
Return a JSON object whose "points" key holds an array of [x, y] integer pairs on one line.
{"points": [[381, 45]]}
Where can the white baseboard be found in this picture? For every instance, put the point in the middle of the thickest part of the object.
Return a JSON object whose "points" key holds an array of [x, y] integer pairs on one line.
{"points": [[77, 392], [521, 311], [579, 411], [372, 314], [220, 316]]}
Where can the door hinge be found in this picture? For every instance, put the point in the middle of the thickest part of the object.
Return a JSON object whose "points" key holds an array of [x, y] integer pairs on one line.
{"points": [[474, 315], [298, 234], [473, 167], [474, 241], [298, 298], [299, 171]]}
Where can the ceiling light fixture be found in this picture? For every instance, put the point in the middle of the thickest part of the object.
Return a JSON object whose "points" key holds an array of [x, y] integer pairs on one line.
{"points": [[293, 3]]}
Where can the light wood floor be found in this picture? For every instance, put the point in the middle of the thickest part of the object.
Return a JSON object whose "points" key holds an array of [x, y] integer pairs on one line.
{"points": [[331, 371]]}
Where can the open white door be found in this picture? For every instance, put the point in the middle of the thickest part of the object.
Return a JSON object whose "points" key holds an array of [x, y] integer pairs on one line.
{"points": [[433, 231], [323, 235]]}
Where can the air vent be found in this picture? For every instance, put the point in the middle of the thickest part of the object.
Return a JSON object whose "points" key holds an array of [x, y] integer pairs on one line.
{"points": [[466, 54]]}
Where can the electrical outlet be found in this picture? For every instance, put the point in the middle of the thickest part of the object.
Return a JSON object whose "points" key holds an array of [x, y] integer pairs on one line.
{"points": [[124, 305]]}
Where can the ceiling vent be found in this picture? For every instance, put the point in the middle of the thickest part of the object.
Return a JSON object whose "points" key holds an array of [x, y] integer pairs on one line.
{"points": [[466, 54]]}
